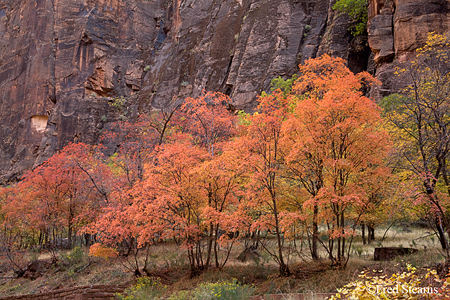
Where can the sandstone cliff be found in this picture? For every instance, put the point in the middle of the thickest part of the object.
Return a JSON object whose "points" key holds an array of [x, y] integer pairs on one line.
{"points": [[63, 62], [396, 29]]}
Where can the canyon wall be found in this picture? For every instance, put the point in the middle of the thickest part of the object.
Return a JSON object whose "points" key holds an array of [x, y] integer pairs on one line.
{"points": [[70, 67], [396, 28]]}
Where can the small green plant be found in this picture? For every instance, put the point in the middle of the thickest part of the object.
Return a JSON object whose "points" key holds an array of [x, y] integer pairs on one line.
{"points": [[181, 295], [73, 261], [103, 118], [74, 257], [227, 290], [285, 85], [16, 288], [146, 288], [118, 102], [147, 68], [357, 11], [307, 29], [358, 251]]}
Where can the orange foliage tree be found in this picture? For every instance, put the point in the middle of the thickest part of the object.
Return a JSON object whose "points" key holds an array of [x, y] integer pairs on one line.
{"points": [[62, 195], [184, 187], [335, 148], [189, 185], [260, 137], [211, 125], [16, 233], [134, 143]]}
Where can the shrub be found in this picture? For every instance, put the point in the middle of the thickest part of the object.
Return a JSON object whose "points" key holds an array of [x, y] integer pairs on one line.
{"points": [[181, 295], [75, 256], [357, 10], [227, 290], [99, 250], [146, 288]]}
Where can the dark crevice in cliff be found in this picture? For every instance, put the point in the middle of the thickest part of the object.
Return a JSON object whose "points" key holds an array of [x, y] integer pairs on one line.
{"points": [[313, 30], [162, 35], [358, 54], [391, 58], [227, 88]]}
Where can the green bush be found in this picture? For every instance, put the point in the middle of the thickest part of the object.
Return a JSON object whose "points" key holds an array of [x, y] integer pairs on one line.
{"points": [[357, 10], [284, 85], [181, 295], [74, 257], [146, 288], [149, 288], [227, 290]]}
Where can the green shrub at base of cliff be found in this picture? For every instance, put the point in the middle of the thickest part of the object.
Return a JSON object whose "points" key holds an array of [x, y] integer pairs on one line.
{"points": [[150, 288], [357, 10], [226, 290], [146, 288], [285, 85]]}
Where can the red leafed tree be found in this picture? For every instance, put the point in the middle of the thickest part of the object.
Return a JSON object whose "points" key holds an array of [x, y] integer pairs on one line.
{"points": [[207, 120], [184, 188], [261, 136], [135, 143], [15, 231], [187, 194], [169, 196], [63, 194], [219, 183], [335, 143]]}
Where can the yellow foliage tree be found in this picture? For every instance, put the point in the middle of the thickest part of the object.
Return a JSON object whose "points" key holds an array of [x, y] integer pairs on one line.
{"points": [[419, 122]]}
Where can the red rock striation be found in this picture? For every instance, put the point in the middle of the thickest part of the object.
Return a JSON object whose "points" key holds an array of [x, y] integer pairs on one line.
{"points": [[396, 29], [64, 62]]}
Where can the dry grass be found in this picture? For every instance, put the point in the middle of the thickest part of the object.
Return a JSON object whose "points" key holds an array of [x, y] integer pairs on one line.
{"points": [[170, 264]]}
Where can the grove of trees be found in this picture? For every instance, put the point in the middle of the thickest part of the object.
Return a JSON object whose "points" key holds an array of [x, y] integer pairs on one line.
{"points": [[313, 163]]}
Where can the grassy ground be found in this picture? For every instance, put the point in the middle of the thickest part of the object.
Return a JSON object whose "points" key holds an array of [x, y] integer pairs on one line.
{"points": [[169, 264]]}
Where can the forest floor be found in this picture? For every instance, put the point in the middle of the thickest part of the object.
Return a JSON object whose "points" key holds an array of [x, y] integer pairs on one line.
{"points": [[170, 264]]}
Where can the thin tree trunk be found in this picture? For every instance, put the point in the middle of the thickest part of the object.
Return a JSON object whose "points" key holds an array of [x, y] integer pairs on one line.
{"points": [[372, 233], [363, 233], [210, 244], [315, 236], [284, 269], [441, 234]]}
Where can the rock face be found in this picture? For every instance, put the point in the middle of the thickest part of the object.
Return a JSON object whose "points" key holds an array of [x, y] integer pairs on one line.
{"points": [[66, 66], [59, 63], [396, 29], [64, 62]]}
